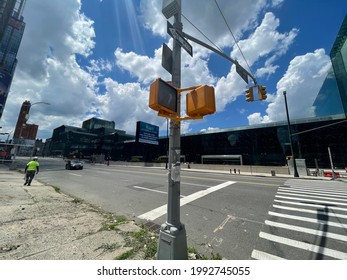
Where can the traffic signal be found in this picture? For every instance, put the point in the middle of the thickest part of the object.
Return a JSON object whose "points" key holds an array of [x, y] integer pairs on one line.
{"points": [[262, 93], [163, 97], [249, 94], [201, 101]]}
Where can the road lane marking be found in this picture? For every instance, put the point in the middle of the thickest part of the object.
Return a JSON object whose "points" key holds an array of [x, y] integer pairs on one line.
{"points": [[308, 230], [304, 191], [319, 186], [79, 175], [151, 190], [304, 246], [158, 212], [312, 200], [312, 196], [311, 205], [313, 190], [324, 212], [309, 220], [259, 255]]}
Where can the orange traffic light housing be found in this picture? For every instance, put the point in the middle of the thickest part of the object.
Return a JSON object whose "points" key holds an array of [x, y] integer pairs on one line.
{"points": [[163, 97], [201, 101], [249, 94], [262, 93]]}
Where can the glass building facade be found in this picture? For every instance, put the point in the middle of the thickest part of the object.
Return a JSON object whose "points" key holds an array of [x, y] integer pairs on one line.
{"points": [[96, 136], [9, 45], [338, 57]]}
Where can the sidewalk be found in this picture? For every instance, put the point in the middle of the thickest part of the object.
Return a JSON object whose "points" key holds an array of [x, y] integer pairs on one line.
{"points": [[40, 223]]}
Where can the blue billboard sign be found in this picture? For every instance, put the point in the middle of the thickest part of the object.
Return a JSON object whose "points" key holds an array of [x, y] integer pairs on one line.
{"points": [[147, 133]]}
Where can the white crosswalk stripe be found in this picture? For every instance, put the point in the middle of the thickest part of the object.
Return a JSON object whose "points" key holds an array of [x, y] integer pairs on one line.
{"points": [[307, 220]]}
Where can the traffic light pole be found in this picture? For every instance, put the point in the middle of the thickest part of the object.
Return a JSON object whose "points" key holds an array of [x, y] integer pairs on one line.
{"points": [[296, 174], [172, 237]]}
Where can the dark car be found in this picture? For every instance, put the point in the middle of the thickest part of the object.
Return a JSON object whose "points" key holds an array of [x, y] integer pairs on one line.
{"points": [[74, 164]]}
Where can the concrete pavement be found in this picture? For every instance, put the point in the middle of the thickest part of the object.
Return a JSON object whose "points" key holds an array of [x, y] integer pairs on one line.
{"points": [[38, 222]]}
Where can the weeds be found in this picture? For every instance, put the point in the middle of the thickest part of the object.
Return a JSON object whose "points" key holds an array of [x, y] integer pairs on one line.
{"points": [[142, 241], [57, 189], [108, 247], [112, 222]]}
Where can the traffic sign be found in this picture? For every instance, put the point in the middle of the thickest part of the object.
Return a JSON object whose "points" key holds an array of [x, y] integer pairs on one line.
{"points": [[166, 58], [242, 72], [171, 30]]}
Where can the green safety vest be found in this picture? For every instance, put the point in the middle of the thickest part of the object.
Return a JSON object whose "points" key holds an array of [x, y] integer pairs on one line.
{"points": [[32, 165]]}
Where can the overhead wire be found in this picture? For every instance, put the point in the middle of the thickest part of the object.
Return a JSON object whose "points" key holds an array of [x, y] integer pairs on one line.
{"points": [[233, 36], [218, 48]]}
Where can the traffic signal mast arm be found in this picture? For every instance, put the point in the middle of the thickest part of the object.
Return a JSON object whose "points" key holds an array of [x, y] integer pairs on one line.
{"points": [[187, 36]]}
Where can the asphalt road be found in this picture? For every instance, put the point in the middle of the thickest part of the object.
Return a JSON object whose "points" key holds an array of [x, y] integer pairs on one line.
{"points": [[239, 217]]}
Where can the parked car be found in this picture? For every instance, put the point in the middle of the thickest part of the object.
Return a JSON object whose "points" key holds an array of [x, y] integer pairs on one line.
{"points": [[74, 164]]}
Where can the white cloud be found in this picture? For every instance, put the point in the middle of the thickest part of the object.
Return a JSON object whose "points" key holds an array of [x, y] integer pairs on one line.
{"points": [[47, 69], [57, 33], [145, 68], [209, 129], [302, 81], [265, 42]]}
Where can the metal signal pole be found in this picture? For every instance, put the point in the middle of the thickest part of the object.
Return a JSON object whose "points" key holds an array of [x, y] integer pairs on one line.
{"points": [[172, 237], [296, 174]]}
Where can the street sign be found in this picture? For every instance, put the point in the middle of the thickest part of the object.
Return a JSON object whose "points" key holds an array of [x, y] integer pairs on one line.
{"points": [[242, 72], [171, 30], [166, 58]]}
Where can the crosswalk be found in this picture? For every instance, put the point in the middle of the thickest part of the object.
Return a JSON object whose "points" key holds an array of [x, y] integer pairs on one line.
{"points": [[308, 220]]}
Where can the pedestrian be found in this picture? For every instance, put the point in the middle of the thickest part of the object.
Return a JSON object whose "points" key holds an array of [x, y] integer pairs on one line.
{"points": [[31, 168]]}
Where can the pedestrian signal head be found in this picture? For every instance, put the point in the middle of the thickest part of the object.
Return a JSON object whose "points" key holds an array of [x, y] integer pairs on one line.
{"points": [[163, 97], [201, 101]]}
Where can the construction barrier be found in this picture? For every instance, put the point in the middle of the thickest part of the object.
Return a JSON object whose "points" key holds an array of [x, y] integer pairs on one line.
{"points": [[330, 174]]}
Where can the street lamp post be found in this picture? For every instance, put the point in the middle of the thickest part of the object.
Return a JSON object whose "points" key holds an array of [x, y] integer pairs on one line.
{"points": [[296, 174]]}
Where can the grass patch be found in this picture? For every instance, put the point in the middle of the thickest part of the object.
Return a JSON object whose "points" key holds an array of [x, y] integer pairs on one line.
{"points": [[108, 247], [127, 255], [141, 241], [76, 200], [57, 189], [112, 222]]}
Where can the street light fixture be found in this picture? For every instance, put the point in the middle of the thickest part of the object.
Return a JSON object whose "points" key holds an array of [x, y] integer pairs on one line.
{"points": [[296, 174]]}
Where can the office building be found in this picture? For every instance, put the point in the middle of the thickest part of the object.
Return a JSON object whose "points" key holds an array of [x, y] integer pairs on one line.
{"points": [[6, 8], [9, 44], [96, 136]]}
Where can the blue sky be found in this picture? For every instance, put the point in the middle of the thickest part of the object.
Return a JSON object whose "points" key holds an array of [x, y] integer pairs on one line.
{"points": [[98, 57]]}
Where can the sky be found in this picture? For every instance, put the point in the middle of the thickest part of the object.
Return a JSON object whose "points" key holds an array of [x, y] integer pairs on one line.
{"points": [[97, 58]]}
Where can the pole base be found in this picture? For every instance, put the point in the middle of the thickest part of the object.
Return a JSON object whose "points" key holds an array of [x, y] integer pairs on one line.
{"points": [[172, 243]]}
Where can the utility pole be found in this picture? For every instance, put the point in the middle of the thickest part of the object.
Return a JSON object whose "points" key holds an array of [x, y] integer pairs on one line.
{"points": [[296, 174], [172, 237]]}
